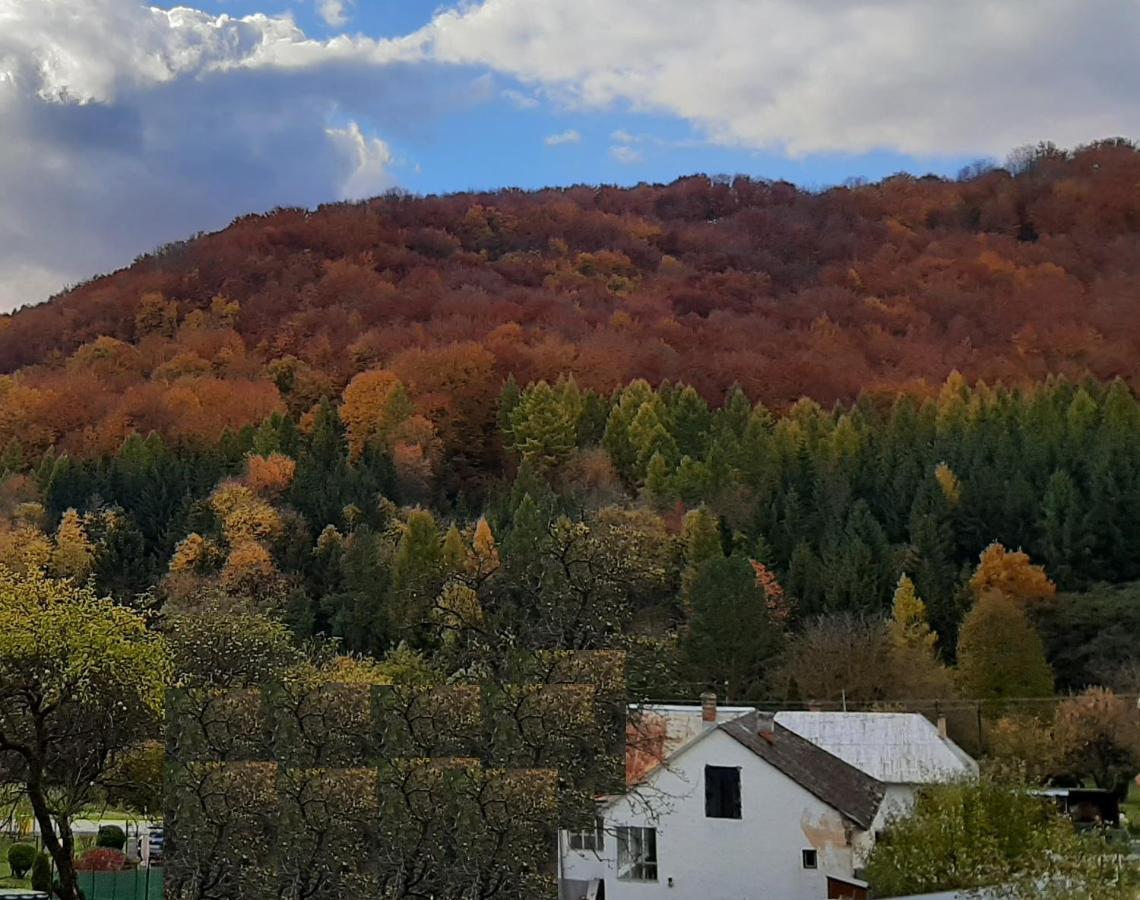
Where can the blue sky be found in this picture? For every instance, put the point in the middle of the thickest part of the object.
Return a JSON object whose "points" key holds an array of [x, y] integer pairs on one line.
{"points": [[490, 141], [128, 125]]}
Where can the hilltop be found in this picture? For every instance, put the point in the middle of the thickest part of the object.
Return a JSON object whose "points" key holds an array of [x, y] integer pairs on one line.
{"points": [[1001, 275]]}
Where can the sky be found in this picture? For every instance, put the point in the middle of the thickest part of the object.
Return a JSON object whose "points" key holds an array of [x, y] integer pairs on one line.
{"points": [[127, 125]]}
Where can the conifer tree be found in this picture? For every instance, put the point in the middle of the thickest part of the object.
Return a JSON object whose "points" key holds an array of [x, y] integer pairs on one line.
{"points": [[544, 427], [730, 638], [701, 539], [908, 626], [73, 556]]}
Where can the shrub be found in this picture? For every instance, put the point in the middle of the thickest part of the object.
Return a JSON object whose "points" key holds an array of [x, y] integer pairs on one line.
{"points": [[101, 859], [41, 873], [21, 857], [111, 836]]}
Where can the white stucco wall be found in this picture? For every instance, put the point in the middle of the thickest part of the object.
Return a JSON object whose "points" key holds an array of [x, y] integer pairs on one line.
{"points": [[756, 856]]}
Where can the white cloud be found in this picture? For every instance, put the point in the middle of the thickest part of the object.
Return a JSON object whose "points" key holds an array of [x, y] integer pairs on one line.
{"points": [[563, 137], [520, 100], [334, 12], [369, 158], [825, 75], [626, 155], [127, 126]]}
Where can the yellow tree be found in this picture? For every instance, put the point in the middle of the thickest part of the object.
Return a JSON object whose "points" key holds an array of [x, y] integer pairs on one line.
{"points": [[908, 627], [916, 671], [269, 475], [949, 484], [373, 405], [1010, 574], [72, 556]]}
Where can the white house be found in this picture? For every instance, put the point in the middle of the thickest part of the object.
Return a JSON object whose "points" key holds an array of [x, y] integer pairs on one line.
{"points": [[902, 750], [724, 804]]}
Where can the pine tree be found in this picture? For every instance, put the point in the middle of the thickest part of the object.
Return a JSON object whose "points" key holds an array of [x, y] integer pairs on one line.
{"points": [[701, 539], [730, 639], [658, 483], [544, 426], [417, 571]]}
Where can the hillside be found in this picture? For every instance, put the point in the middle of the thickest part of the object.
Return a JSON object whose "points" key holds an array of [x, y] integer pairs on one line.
{"points": [[874, 288], [513, 417]]}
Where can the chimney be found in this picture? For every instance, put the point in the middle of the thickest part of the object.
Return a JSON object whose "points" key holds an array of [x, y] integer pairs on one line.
{"points": [[708, 707], [765, 723], [942, 727]]}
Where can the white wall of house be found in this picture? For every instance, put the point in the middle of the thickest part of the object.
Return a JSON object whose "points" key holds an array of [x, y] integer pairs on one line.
{"points": [[756, 856]]}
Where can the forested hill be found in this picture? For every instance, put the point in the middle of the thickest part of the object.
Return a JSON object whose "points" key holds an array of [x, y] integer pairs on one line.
{"points": [[1002, 276], [709, 423]]}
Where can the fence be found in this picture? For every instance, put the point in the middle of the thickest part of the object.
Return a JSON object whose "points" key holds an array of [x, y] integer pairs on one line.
{"points": [[142, 883], [138, 884]]}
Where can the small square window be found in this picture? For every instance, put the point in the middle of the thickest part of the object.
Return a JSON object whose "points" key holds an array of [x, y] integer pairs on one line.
{"points": [[722, 792], [590, 839], [810, 859]]}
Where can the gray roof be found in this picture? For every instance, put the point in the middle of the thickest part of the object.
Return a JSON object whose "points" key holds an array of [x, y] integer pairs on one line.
{"points": [[895, 748], [843, 787]]}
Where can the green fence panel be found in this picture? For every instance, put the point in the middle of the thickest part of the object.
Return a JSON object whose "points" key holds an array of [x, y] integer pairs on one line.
{"points": [[138, 884]]}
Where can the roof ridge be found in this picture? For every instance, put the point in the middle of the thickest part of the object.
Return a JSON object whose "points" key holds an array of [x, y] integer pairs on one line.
{"points": [[845, 788]]}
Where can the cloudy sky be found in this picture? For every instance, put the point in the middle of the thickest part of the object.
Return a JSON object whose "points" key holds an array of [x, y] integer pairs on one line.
{"points": [[125, 125]]}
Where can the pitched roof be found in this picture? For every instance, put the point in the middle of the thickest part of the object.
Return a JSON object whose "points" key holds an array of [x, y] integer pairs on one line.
{"points": [[655, 733], [895, 748], [841, 786]]}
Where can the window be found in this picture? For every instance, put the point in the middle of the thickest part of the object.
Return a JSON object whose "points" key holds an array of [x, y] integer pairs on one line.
{"points": [[593, 839], [809, 859], [637, 854], [722, 792]]}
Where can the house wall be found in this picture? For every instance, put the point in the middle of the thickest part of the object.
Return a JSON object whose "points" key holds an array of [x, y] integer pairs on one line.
{"points": [[756, 856]]}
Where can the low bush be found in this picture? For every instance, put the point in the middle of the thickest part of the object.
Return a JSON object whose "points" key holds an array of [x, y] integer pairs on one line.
{"points": [[101, 859], [21, 858], [111, 836], [42, 874]]}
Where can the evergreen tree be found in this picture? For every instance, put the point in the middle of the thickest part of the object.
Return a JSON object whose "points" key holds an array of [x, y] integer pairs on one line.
{"points": [[730, 640], [544, 426]]}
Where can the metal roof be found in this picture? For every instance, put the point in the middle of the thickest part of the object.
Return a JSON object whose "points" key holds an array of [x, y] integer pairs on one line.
{"points": [[841, 786], [895, 748]]}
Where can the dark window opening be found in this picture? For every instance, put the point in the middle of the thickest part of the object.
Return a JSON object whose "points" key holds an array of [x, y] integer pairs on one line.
{"points": [[722, 792], [810, 859]]}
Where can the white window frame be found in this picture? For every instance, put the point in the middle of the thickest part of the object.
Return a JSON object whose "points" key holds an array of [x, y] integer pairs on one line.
{"points": [[592, 841], [636, 853]]}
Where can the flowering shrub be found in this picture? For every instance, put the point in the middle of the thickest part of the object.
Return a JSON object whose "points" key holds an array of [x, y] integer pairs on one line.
{"points": [[101, 859]]}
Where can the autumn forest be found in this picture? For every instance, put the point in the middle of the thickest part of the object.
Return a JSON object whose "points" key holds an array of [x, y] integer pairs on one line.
{"points": [[716, 424]]}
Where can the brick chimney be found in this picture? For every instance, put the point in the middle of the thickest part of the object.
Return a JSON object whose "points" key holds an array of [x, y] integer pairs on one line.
{"points": [[942, 733], [708, 707]]}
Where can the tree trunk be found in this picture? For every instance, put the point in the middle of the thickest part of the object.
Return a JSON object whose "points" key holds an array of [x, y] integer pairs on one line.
{"points": [[60, 846]]}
